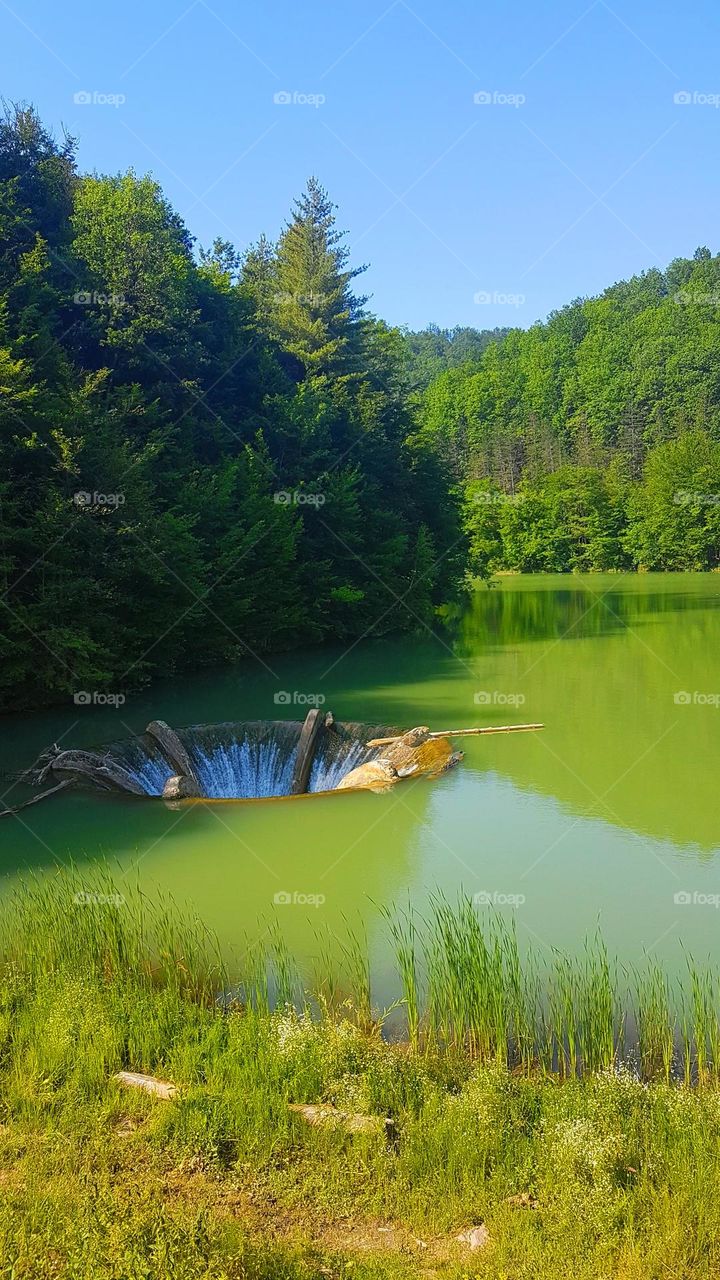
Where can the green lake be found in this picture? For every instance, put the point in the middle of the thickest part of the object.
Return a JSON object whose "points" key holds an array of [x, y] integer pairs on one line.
{"points": [[611, 815]]}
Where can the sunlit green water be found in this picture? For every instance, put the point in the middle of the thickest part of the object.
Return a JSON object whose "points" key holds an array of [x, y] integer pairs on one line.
{"points": [[606, 816]]}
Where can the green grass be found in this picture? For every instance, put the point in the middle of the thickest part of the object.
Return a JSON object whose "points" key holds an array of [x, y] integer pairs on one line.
{"points": [[509, 1087]]}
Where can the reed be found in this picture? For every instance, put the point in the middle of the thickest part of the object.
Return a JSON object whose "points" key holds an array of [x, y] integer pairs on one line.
{"points": [[464, 986]]}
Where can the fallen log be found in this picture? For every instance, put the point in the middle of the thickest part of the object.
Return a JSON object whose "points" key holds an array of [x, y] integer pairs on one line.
{"points": [[101, 770], [7, 813], [136, 1080], [174, 752], [460, 733], [307, 746], [325, 1114]]}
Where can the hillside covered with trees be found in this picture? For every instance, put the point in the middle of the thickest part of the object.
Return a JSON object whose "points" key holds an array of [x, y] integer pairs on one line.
{"points": [[206, 454], [202, 455], [592, 442]]}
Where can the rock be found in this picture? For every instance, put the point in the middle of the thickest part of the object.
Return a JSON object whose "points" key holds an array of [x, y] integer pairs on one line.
{"points": [[476, 1237], [375, 773], [180, 787], [452, 761], [415, 752]]}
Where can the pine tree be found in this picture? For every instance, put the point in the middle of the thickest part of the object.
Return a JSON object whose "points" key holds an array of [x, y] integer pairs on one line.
{"points": [[315, 312]]}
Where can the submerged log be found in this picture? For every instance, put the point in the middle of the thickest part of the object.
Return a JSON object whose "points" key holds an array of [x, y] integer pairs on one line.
{"points": [[307, 746], [60, 786], [175, 752]]}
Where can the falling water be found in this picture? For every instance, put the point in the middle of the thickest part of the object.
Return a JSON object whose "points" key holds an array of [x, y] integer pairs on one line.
{"points": [[251, 759], [341, 750]]}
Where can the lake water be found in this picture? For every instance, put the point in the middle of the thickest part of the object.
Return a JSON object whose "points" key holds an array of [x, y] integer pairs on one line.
{"points": [[610, 815]]}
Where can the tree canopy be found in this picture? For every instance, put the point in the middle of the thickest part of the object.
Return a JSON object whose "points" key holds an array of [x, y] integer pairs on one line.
{"points": [[204, 455]]}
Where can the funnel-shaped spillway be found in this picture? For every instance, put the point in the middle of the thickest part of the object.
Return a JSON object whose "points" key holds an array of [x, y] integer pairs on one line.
{"points": [[251, 759]]}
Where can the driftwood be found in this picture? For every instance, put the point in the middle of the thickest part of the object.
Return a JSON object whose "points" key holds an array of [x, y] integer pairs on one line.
{"points": [[7, 813], [417, 751], [101, 770], [458, 733], [307, 746], [325, 1115], [135, 1080], [174, 752]]}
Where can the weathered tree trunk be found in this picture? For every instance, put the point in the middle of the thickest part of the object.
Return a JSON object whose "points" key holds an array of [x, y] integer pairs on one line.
{"points": [[100, 770], [307, 746], [174, 751], [60, 786], [415, 752]]}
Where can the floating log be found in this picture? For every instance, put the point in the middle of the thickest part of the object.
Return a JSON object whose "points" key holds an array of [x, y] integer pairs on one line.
{"points": [[307, 746], [459, 733], [175, 752], [135, 1080], [101, 770]]}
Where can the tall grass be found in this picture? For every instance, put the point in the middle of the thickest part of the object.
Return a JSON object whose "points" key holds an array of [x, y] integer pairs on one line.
{"points": [[465, 986], [567, 1015], [108, 928]]}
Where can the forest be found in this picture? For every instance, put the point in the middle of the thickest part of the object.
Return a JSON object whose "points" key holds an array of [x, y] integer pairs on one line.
{"points": [[207, 454]]}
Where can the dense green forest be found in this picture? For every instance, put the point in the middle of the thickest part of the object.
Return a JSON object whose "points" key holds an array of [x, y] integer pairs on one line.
{"points": [[203, 455], [592, 442], [206, 454]]}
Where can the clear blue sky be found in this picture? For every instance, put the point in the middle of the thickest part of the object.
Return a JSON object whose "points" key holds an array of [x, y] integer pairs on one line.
{"points": [[596, 175]]}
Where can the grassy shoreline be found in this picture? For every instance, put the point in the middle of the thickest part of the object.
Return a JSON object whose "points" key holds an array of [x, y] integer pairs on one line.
{"points": [[586, 1172]]}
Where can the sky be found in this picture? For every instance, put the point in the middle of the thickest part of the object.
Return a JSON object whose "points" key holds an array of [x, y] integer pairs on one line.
{"points": [[491, 161]]}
